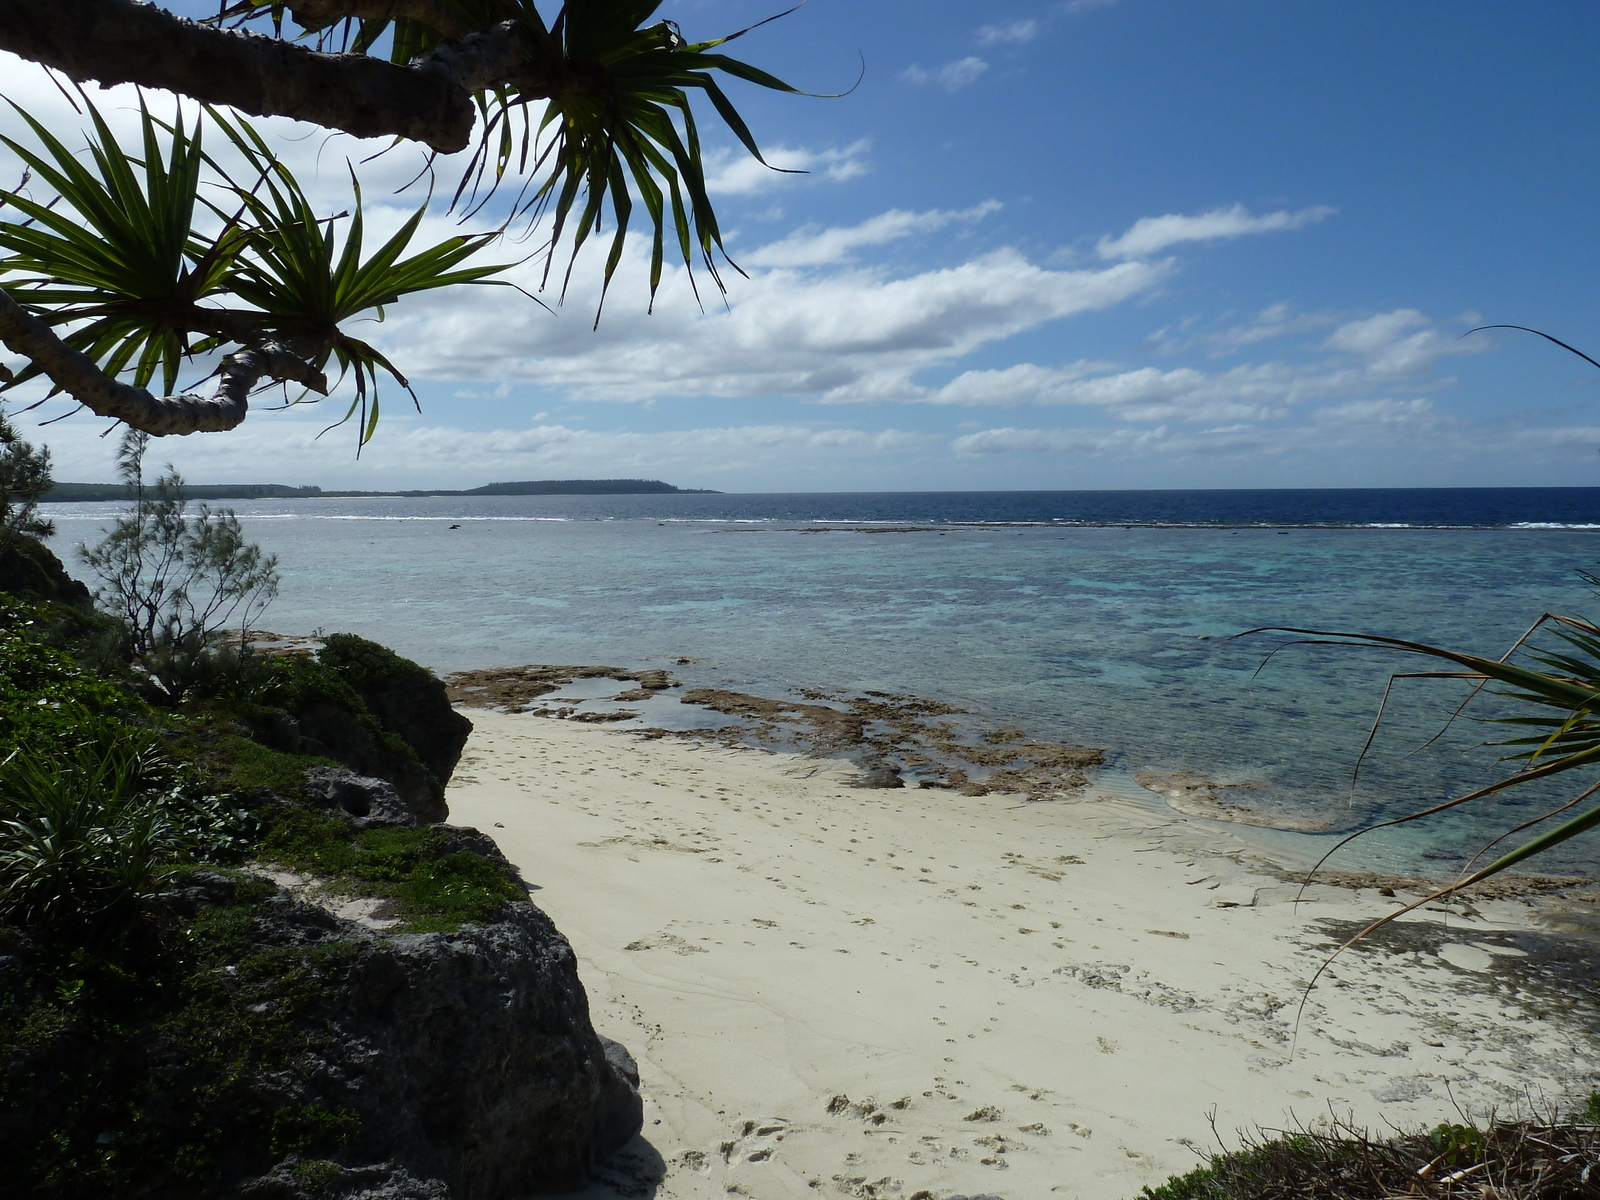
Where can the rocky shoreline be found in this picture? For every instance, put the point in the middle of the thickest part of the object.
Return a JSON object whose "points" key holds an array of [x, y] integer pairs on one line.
{"points": [[908, 741], [350, 998], [895, 740]]}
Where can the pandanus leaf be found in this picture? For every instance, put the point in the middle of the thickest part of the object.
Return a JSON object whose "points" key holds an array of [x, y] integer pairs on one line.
{"points": [[1571, 739]]}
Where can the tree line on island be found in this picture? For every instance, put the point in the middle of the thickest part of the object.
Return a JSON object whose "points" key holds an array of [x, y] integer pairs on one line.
{"points": [[63, 492]]}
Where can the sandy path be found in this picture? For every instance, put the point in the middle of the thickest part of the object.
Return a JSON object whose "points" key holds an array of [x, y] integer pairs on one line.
{"points": [[890, 993]]}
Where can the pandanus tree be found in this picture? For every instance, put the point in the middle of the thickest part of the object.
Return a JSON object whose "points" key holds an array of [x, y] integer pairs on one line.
{"points": [[118, 267]]}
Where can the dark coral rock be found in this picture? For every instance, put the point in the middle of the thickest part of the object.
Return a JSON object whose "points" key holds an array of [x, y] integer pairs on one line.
{"points": [[28, 568], [334, 732], [406, 699], [468, 1057], [366, 800]]}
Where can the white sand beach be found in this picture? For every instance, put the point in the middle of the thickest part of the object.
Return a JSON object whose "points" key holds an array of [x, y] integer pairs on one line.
{"points": [[873, 993]]}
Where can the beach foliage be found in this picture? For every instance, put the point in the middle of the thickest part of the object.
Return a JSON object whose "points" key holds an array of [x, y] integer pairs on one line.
{"points": [[432, 885], [24, 479], [45, 690], [150, 1016], [147, 1023], [154, 1067], [1538, 1159], [92, 825], [1556, 689]]}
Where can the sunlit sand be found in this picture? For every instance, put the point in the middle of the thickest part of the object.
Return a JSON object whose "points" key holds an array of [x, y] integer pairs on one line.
{"points": [[833, 990]]}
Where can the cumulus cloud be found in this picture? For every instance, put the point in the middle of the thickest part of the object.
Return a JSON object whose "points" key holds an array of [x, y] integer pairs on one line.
{"points": [[1143, 394], [1384, 350], [1014, 32], [812, 247], [1220, 440], [852, 334], [1024, 441], [1402, 342], [951, 77], [1149, 235], [732, 172]]}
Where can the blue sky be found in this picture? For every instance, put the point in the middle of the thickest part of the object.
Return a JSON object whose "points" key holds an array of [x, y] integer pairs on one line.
{"points": [[1141, 243]]}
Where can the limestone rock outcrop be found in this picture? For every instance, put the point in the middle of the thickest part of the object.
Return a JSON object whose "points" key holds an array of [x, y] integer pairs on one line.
{"points": [[468, 1057]]}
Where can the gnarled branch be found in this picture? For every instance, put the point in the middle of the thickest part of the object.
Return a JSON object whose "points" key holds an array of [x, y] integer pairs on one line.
{"points": [[125, 41], [77, 375]]}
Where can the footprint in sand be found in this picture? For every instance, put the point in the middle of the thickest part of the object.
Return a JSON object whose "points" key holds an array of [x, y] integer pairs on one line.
{"points": [[667, 941]]}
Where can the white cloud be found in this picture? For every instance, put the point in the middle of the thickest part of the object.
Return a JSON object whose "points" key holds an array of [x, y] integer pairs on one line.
{"points": [[1238, 441], [811, 247], [1586, 437], [1219, 440], [1144, 394], [1026, 441], [1274, 321], [1385, 350], [732, 172], [1148, 235], [273, 448], [1376, 412], [853, 334], [1014, 32], [1402, 342], [951, 77]]}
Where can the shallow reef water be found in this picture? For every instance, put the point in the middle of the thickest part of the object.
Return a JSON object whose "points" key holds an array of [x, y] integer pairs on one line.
{"points": [[1090, 619]]}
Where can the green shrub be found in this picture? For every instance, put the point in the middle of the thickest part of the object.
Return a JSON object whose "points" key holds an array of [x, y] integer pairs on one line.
{"points": [[24, 481], [153, 1071], [1456, 1144], [316, 1175], [301, 1128], [297, 682], [362, 663], [434, 887], [89, 829], [44, 691]]}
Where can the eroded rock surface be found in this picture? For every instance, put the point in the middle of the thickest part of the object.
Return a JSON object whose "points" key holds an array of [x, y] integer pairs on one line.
{"points": [[468, 1057], [365, 799]]}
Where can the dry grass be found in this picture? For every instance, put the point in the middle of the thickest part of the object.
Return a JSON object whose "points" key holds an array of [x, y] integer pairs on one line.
{"points": [[1501, 1160]]}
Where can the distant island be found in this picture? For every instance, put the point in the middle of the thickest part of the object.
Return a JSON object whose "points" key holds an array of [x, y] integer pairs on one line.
{"points": [[66, 492]]}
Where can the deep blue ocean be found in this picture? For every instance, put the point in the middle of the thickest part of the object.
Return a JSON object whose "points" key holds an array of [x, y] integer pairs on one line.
{"points": [[1096, 618]]}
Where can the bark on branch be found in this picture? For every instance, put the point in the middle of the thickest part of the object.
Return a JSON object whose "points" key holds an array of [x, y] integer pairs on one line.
{"points": [[77, 375], [125, 41]]}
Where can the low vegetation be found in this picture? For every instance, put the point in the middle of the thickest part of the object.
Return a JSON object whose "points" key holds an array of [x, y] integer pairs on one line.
{"points": [[142, 1008], [1550, 1159]]}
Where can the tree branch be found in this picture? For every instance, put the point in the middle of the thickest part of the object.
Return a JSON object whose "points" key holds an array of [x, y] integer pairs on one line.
{"points": [[77, 375], [124, 41]]}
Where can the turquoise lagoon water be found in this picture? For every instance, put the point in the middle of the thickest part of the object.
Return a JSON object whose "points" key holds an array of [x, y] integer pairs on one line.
{"points": [[1091, 618]]}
